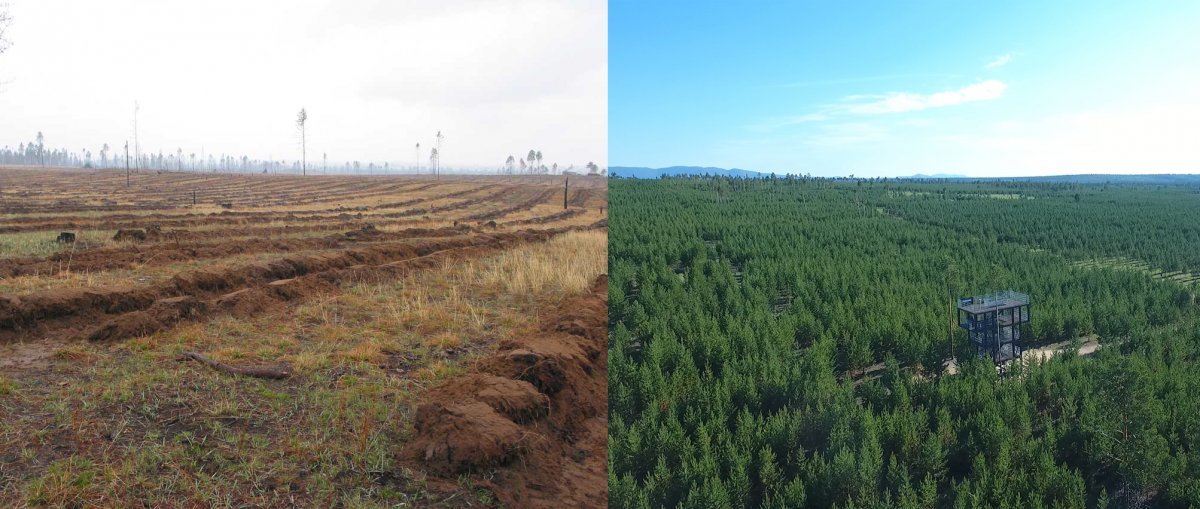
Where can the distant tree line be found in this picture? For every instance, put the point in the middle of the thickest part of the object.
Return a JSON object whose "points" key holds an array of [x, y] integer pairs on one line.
{"points": [[532, 165], [37, 153]]}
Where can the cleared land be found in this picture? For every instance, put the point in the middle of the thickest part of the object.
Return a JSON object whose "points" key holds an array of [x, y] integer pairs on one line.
{"points": [[348, 328]]}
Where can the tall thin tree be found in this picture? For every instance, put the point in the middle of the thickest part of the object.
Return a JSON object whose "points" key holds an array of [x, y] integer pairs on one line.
{"points": [[5, 20], [137, 153], [301, 119], [438, 170], [126, 163]]}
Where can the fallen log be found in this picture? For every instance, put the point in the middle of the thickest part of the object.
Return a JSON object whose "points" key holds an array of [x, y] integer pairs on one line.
{"points": [[256, 372]]}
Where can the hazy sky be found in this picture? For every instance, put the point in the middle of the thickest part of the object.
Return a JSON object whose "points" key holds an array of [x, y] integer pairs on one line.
{"points": [[896, 88], [497, 77]]}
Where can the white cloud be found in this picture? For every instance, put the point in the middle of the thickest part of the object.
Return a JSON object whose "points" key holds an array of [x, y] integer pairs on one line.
{"points": [[894, 102], [1000, 61], [900, 102]]}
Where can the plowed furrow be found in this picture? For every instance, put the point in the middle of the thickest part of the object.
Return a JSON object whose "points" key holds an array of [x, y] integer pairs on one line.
{"points": [[525, 205], [167, 252], [119, 312]]}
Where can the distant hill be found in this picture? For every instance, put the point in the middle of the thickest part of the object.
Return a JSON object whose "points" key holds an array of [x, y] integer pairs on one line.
{"points": [[1152, 179], [1167, 179], [640, 172], [935, 176], [1176, 179]]}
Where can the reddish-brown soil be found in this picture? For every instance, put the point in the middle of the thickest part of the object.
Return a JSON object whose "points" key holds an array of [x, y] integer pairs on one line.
{"points": [[127, 256], [47, 192], [165, 190], [168, 217], [106, 313], [534, 414], [524, 205], [107, 223], [557, 216], [579, 198]]}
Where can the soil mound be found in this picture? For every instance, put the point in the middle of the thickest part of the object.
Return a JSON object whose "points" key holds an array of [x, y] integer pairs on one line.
{"points": [[163, 313], [130, 235], [518, 400], [546, 362], [473, 423], [524, 205], [557, 216], [534, 413], [466, 435]]}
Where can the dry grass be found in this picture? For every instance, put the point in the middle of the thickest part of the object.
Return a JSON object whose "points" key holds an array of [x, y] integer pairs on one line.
{"points": [[566, 265], [129, 425], [43, 243], [136, 275]]}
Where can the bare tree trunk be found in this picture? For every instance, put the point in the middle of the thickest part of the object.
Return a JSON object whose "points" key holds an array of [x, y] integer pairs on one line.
{"points": [[256, 372]]}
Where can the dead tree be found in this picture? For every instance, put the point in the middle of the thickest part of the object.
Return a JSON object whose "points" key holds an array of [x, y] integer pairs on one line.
{"points": [[300, 120], [255, 372], [126, 163], [5, 20]]}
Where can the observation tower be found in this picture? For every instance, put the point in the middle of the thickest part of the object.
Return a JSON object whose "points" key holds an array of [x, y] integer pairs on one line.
{"points": [[993, 323]]}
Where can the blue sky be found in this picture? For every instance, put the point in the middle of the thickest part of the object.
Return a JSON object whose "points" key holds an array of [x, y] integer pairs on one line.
{"points": [[898, 88]]}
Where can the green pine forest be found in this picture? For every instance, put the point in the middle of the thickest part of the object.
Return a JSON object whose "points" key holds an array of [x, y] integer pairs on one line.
{"points": [[783, 342]]}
